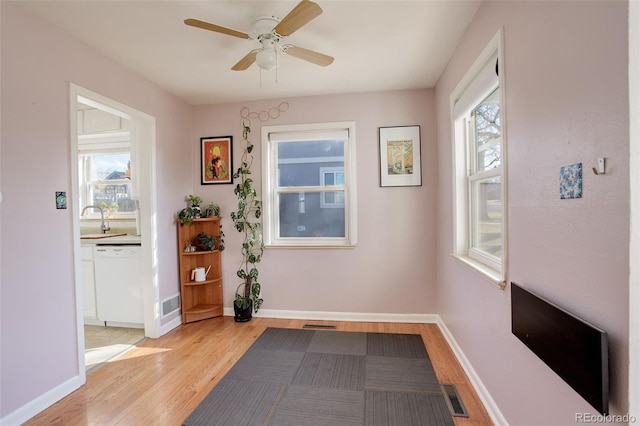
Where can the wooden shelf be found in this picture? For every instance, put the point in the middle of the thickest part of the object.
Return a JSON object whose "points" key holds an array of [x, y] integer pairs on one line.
{"points": [[217, 280], [200, 299], [199, 253], [200, 312], [199, 309]]}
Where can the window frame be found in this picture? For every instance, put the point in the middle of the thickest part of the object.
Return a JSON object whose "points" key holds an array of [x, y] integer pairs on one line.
{"points": [[90, 145], [472, 90], [271, 188]]}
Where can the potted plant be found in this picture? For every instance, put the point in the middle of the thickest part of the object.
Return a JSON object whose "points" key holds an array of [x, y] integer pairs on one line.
{"points": [[186, 215], [247, 221], [195, 201], [212, 209], [205, 242], [191, 212]]}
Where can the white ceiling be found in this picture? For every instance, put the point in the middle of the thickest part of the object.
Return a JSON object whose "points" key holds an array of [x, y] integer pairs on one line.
{"points": [[377, 45]]}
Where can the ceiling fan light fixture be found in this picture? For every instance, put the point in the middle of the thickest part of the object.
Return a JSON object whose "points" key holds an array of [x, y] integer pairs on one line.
{"points": [[267, 59]]}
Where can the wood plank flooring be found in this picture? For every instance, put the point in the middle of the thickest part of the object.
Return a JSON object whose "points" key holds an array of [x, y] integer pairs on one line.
{"points": [[163, 380]]}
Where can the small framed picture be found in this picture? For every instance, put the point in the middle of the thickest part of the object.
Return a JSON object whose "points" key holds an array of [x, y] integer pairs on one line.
{"points": [[61, 200], [400, 162], [216, 160]]}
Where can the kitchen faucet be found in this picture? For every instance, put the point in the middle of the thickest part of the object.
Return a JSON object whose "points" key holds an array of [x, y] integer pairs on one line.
{"points": [[102, 225]]}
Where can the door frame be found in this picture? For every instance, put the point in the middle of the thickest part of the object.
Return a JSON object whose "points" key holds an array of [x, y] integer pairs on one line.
{"points": [[143, 136], [634, 226]]}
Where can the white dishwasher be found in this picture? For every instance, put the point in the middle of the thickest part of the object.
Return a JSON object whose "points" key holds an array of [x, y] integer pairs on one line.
{"points": [[119, 284]]}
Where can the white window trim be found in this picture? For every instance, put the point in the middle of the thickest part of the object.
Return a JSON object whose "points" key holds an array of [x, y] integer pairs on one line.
{"points": [[269, 177], [496, 273]]}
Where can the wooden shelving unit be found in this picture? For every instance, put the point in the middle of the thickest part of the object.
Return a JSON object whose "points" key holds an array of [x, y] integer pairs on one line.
{"points": [[200, 299]]}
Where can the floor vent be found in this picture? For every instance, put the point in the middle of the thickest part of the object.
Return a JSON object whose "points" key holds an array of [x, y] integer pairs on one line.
{"points": [[320, 326], [170, 304], [451, 396]]}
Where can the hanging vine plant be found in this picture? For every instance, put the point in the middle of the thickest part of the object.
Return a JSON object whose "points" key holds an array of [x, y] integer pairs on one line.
{"points": [[247, 220]]}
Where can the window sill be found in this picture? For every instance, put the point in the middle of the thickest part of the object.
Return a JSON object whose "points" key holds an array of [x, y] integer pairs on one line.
{"points": [[309, 246], [490, 274]]}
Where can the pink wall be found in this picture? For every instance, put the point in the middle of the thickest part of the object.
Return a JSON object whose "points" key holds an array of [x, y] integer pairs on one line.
{"points": [[392, 269], [38, 314], [566, 102]]}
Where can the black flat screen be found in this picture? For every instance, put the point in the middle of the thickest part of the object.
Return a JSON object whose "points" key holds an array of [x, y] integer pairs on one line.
{"points": [[574, 349]]}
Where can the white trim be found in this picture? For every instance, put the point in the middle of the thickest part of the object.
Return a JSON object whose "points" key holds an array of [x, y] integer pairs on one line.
{"points": [[302, 132], [270, 137], [634, 237], [484, 395], [461, 171], [342, 316], [176, 322], [43, 402], [478, 85], [310, 160], [143, 140]]}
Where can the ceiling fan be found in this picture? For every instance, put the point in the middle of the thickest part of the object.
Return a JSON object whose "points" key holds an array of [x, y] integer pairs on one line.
{"points": [[270, 31]]}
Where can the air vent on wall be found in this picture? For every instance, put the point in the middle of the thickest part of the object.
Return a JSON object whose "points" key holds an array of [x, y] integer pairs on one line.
{"points": [[170, 304]]}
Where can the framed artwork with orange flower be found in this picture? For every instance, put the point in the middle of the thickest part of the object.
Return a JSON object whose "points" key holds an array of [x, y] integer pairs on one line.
{"points": [[216, 160]]}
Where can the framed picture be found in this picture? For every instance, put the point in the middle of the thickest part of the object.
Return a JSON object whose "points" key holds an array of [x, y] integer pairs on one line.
{"points": [[216, 161], [400, 156]]}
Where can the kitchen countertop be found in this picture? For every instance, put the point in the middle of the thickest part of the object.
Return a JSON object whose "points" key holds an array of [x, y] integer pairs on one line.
{"points": [[113, 240]]}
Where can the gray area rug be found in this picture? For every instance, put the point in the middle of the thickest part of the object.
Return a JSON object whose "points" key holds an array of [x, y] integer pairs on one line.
{"points": [[319, 377]]}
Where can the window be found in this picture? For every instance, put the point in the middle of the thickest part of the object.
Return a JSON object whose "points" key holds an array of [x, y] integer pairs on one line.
{"points": [[104, 170], [309, 186], [479, 167], [332, 176]]}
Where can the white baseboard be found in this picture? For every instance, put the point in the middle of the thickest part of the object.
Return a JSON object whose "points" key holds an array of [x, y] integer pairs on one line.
{"points": [[165, 328], [41, 403], [340, 316], [488, 402]]}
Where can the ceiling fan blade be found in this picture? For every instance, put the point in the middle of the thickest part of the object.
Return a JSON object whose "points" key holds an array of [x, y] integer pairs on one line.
{"points": [[308, 55], [301, 15], [218, 29], [246, 62]]}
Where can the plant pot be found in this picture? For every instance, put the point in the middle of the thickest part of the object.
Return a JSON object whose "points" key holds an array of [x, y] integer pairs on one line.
{"points": [[242, 315]]}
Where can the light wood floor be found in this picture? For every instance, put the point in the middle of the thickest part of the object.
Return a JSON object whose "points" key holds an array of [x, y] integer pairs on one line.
{"points": [[163, 380], [104, 343]]}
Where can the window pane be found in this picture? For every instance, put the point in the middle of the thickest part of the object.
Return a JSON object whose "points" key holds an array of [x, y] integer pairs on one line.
{"points": [[299, 162], [486, 222], [315, 220], [329, 179], [109, 166], [488, 132], [109, 182]]}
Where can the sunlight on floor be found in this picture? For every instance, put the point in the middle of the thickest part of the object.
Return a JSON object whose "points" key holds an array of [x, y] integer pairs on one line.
{"points": [[103, 344]]}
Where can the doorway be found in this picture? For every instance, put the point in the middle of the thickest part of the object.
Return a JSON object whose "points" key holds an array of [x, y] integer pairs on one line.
{"points": [[141, 193]]}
